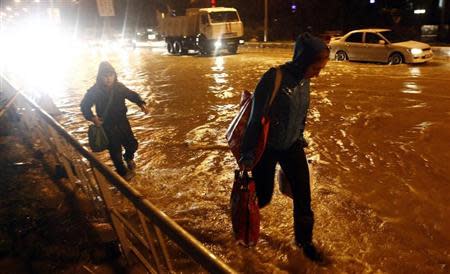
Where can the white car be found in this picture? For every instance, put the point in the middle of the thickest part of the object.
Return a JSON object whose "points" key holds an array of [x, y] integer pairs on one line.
{"points": [[378, 45]]}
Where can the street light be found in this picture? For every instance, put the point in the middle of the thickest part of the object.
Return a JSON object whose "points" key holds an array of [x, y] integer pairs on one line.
{"points": [[420, 11]]}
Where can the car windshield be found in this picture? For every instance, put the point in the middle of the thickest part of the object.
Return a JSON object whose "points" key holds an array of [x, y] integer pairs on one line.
{"points": [[224, 16], [393, 37]]}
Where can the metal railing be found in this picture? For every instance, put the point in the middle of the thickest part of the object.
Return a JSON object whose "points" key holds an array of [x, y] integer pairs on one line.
{"points": [[144, 234], [8, 103]]}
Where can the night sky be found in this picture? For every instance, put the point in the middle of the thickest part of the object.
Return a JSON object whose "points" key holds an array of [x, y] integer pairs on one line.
{"points": [[285, 21]]}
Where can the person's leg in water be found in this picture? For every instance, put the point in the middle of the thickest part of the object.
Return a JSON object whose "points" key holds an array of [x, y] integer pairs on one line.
{"points": [[115, 152], [130, 144], [264, 175], [295, 166]]}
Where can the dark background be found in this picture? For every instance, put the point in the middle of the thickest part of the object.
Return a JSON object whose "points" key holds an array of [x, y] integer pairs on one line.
{"points": [[320, 16]]}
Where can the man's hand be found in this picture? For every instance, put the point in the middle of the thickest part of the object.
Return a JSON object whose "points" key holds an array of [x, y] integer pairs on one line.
{"points": [[97, 121], [144, 109], [245, 164]]}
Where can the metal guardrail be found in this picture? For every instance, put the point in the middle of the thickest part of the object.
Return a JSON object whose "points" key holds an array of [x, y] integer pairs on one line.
{"points": [[8, 103], [143, 236]]}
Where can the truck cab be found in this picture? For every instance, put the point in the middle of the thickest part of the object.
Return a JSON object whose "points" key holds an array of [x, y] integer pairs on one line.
{"points": [[220, 28], [207, 30]]}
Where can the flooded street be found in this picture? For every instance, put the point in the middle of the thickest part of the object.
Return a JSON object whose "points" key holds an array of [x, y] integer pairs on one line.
{"points": [[379, 145]]}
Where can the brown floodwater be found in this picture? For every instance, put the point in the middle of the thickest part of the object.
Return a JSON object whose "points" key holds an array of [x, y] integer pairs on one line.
{"points": [[379, 149]]}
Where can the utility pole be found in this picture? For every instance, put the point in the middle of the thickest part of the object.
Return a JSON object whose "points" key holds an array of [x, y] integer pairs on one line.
{"points": [[443, 32], [443, 6], [266, 19]]}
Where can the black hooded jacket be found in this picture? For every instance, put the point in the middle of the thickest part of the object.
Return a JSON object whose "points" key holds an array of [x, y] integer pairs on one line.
{"points": [[289, 109], [100, 97]]}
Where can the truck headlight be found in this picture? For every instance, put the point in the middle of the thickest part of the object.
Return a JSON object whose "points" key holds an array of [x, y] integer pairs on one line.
{"points": [[241, 42], [416, 51], [218, 44]]}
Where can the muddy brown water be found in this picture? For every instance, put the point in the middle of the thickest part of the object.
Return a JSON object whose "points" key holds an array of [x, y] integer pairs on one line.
{"points": [[379, 144]]}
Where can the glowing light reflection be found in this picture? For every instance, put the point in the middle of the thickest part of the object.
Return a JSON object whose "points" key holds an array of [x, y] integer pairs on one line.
{"points": [[411, 88], [218, 62], [220, 89], [415, 71], [39, 54]]}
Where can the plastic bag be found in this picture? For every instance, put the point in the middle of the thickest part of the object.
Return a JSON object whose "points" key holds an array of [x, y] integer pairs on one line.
{"points": [[245, 215], [98, 141]]}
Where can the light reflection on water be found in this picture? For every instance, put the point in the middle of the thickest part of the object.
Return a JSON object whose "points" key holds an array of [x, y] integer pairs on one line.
{"points": [[379, 149], [415, 71], [411, 88]]}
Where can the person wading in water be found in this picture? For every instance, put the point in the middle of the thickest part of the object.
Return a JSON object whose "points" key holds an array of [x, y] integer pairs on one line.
{"points": [[108, 95], [285, 138]]}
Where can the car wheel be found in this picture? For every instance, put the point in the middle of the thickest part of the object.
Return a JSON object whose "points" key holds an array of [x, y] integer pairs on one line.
{"points": [[341, 56], [232, 49], [169, 47], [177, 47], [395, 59]]}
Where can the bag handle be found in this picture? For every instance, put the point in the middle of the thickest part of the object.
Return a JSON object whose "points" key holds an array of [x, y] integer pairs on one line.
{"points": [[276, 86]]}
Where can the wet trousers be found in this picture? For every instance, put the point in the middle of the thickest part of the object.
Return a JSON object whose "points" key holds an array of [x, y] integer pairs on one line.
{"points": [[294, 164], [120, 134]]}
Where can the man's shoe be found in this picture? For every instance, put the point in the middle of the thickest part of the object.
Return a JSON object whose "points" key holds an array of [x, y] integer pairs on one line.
{"points": [[128, 175], [131, 164], [311, 252]]}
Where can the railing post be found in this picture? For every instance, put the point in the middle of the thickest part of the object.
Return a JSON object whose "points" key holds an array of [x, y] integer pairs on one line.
{"points": [[107, 199], [26, 123], [163, 246], [150, 241], [33, 125], [89, 186], [62, 152]]}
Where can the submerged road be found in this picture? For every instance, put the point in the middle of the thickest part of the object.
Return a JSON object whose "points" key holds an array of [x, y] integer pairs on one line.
{"points": [[378, 143]]}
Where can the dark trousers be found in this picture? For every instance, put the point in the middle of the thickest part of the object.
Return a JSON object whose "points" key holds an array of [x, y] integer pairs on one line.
{"points": [[294, 165], [120, 134]]}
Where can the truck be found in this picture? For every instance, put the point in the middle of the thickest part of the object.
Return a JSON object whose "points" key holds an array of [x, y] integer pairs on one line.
{"points": [[206, 30]]}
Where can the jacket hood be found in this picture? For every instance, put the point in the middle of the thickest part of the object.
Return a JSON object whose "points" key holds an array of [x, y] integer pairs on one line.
{"points": [[306, 50], [103, 69]]}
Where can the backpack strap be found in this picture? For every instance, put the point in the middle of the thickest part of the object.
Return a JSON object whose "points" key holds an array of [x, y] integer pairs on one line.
{"points": [[276, 86], [108, 105]]}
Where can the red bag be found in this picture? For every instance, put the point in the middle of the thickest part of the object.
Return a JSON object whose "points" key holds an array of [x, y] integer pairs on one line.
{"points": [[244, 209], [236, 130]]}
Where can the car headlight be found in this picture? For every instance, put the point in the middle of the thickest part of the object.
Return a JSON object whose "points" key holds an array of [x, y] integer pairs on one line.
{"points": [[218, 44], [416, 51]]}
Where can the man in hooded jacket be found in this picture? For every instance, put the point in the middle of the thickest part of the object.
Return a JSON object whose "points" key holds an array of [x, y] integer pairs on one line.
{"points": [[108, 95], [286, 143]]}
